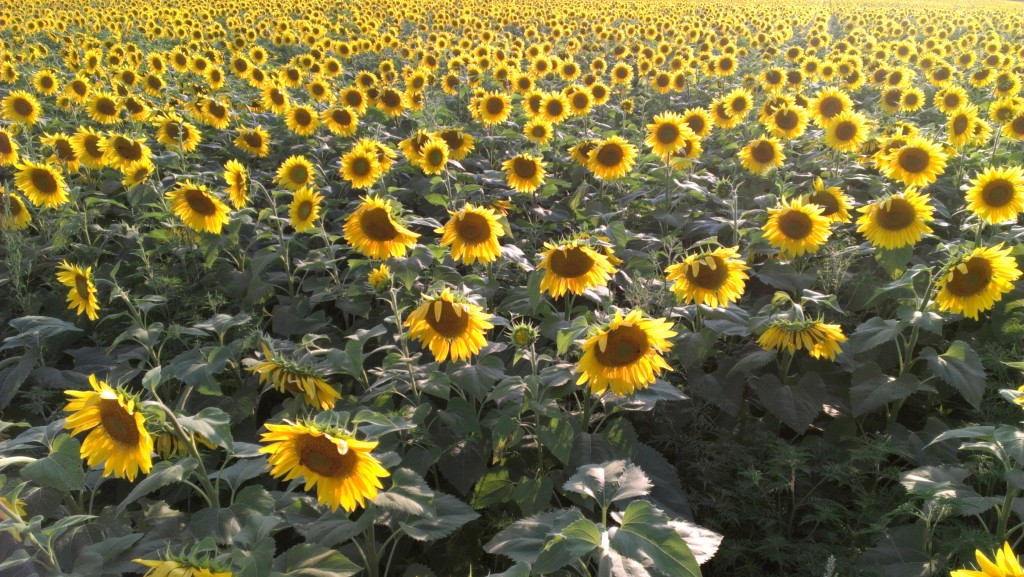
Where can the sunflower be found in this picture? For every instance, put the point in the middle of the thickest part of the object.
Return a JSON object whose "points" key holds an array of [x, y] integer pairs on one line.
{"points": [[86, 143], [537, 131], [8, 149], [896, 221], [13, 212], [255, 141], [494, 108], [433, 156], [573, 267], [82, 295], [1015, 127], [626, 356], [524, 172], [796, 227], [554, 108], [699, 121], [828, 104], [118, 439], [763, 155], [460, 143], [103, 107], [354, 98], [978, 281], [373, 231], [180, 568], [120, 151], [612, 158], [739, 102], [819, 339], [340, 120], [198, 208], [960, 126], [287, 376], [722, 116], [341, 468], [997, 194], [1004, 564], [301, 120], [473, 235], [77, 89], [449, 326], [581, 151], [835, 206], [304, 209], [237, 178], [41, 183], [63, 152], [787, 121], [380, 277], [176, 134], [21, 107], [847, 131], [360, 167], [668, 133], [295, 172], [390, 102], [274, 99], [950, 98], [713, 278], [918, 163], [136, 173]]}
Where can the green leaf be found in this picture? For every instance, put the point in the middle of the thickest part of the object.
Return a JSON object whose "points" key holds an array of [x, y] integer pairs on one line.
{"points": [[62, 469], [961, 368], [796, 406], [32, 330], [873, 333], [307, 560], [408, 494], [524, 540], [566, 546], [450, 514], [162, 474], [93, 558], [533, 496], [609, 482], [873, 389], [478, 379], [212, 423], [646, 537], [492, 488]]}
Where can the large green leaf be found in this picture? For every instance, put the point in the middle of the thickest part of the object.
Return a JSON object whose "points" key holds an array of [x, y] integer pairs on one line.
{"points": [[162, 474], [961, 368], [609, 482], [307, 560], [62, 469], [646, 536], [873, 389], [524, 540], [795, 405]]}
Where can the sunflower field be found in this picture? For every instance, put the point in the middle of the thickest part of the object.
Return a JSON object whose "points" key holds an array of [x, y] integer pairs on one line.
{"points": [[638, 288]]}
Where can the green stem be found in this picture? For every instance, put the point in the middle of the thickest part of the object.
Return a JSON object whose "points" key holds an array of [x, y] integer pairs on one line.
{"points": [[1004, 513], [204, 478]]}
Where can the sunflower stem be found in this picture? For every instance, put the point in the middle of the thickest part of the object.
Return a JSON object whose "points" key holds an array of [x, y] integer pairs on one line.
{"points": [[204, 478], [403, 342], [786, 364]]}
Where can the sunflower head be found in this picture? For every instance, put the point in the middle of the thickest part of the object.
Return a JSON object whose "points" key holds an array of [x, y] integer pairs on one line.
{"points": [[472, 233], [997, 194], [450, 326], [575, 267], [198, 208], [117, 437], [796, 227], [380, 278], [896, 221], [713, 278], [819, 339], [975, 282], [626, 355], [611, 158], [835, 205], [288, 376], [373, 230]]}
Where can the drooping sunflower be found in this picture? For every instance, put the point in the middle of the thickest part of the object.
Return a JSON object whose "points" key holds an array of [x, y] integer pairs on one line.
{"points": [[304, 209], [82, 295], [917, 163], [847, 131], [171, 567], [41, 183], [287, 376], [13, 212], [835, 206], [87, 145], [494, 108], [668, 133], [380, 277], [473, 234], [237, 177], [819, 339], [978, 281], [118, 439], [796, 227], [449, 326], [524, 172], [373, 231], [342, 469], [713, 278], [627, 355], [103, 107], [997, 194], [21, 107], [762, 155], [340, 120], [897, 221], [360, 168], [1003, 564], [295, 172], [573, 267], [198, 208], [255, 141], [8, 149], [612, 158]]}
